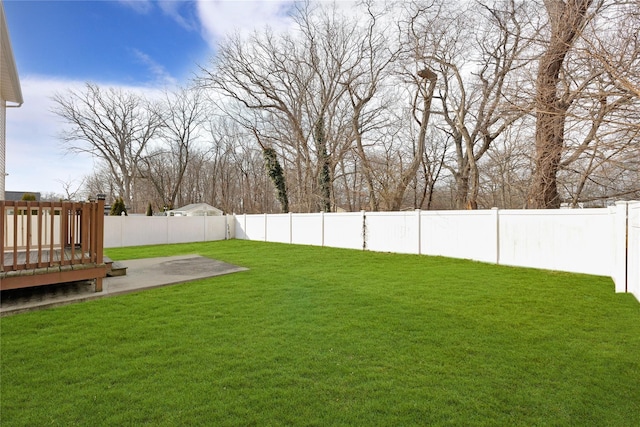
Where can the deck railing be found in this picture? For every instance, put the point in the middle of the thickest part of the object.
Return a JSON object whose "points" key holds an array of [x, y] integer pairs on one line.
{"points": [[49, 238]]}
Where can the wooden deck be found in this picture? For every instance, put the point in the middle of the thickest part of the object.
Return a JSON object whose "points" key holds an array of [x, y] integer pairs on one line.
{"points": [[51, 242], [33, 258]]}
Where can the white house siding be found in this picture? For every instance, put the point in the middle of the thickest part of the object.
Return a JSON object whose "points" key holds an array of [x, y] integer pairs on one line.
{"points": [[2, 147], [10, 90]]}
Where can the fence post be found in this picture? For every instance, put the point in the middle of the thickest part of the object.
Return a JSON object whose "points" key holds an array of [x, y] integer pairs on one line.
{"points": [[244, 226], [99, 233], [364, 230], [418, 211], [621, 230], [265, 227], [290, 228], [633, 248], [167, 228], [496, 214], [322, 228]]}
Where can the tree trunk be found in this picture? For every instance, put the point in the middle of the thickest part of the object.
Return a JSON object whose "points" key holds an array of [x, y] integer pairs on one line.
{"points": [[277, 177], [398, 195], [324, 164], [462, 189], [567, 20]]}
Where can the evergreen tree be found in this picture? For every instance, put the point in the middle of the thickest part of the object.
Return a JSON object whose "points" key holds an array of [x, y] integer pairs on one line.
{"points": [[118, 207]]}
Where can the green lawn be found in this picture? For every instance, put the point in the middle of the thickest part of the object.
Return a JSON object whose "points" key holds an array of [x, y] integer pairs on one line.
{"points": [[318, 336]]}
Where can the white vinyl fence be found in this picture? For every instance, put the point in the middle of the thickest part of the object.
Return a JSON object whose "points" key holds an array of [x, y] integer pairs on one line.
{"points": [[120, 231], [47, 230], [602, 241], [633, 254]]}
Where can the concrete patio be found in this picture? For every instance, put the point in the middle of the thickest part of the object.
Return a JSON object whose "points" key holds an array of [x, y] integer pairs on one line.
{"points": [[141, 274]]}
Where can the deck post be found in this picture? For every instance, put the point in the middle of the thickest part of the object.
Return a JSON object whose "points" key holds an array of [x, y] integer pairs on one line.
{"points": [[3, 233], [99, 230]]}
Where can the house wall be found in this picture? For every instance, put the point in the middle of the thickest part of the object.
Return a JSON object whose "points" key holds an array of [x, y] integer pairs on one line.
{"points": [[3, 115], [10, 90]]}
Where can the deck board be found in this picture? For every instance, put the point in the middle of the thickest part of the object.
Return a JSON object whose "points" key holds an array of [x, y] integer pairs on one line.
{"points": [[47, 257]]}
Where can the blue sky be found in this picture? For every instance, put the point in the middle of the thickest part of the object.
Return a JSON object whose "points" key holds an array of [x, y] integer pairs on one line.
{"points": [[105, 40], [141, 45]]}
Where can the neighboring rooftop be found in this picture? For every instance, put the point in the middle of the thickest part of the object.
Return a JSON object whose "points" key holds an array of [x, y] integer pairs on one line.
{"points": [[196, 209], [13, 196]]}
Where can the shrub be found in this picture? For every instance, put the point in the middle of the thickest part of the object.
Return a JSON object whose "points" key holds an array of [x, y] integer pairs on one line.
{"points": [[118, 207]]}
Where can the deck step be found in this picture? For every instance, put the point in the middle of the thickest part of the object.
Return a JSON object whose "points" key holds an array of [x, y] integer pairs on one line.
{"points": [[115, 268]]}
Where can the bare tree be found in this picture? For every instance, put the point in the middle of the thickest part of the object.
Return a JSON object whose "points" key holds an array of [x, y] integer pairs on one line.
{"points": [[364, 81], [101, 182], [431, 170], [506, 169], [182, 115], [615, 44], [421, 110], [71, 188], [306, 93], [595, 111], [567, 20], [259, 76], [113, 125], [476, 50]]}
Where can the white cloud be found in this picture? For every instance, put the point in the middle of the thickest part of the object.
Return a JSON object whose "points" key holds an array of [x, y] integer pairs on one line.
{"points": [[178, 13], [140, 6], [162, 76], [178, 10], [36, 159], [221, 18]]}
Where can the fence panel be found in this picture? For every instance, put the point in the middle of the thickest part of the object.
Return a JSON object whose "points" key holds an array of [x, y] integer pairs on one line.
{"points": [[307, 229], [123, 231], [144, 230], [278, 228], [460, 234], [254, 227], [218, 228], [343, 230], [577, 241], [186, 229], [393, 232], [239, 227], [633, 254], [113, 232]]}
